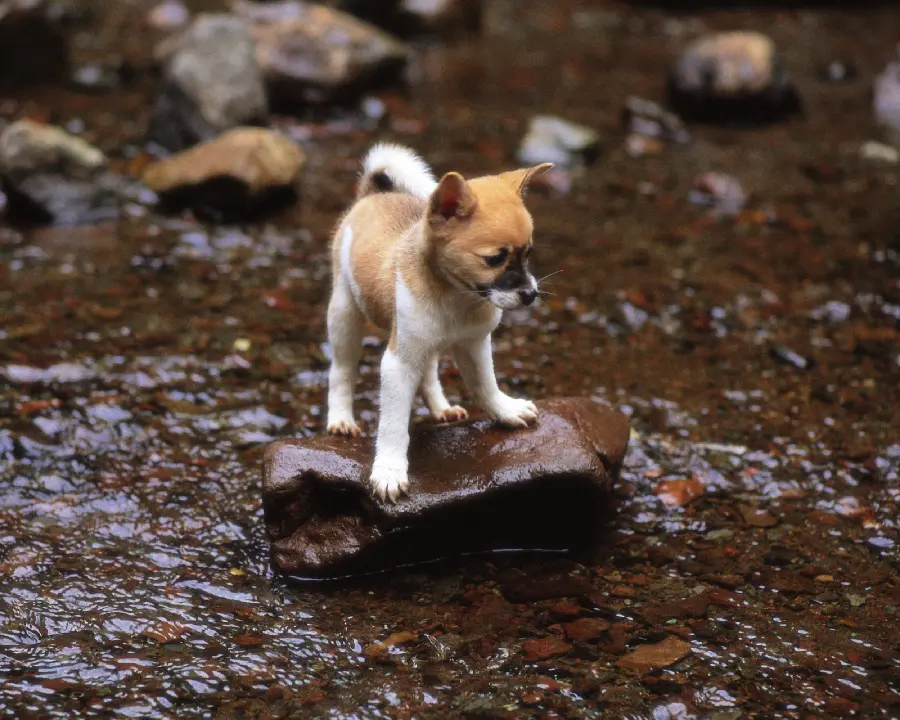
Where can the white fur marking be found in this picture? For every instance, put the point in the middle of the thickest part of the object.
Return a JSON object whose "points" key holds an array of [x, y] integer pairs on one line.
{"points": [[347, 265], [408, 172], [505, 299], [477, 367], [399, 380]]}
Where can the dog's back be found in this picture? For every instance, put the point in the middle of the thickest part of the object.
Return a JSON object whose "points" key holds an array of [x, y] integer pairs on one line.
{"points": [[391, 198]]}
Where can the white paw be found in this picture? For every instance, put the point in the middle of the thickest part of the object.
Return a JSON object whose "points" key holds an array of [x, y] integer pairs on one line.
{"points": [[454, 413], [345, 427], [513, 412], [389, 483]]}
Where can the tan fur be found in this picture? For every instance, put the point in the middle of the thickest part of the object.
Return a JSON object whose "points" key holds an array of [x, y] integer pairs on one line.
{"points": [[378, 222], [429, 262]]}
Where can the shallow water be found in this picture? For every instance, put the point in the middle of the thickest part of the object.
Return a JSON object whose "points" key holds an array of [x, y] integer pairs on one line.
{"points": [[145, 363]]}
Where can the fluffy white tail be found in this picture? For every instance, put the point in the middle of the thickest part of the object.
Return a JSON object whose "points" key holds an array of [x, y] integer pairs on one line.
{"points": [[392, 168]]}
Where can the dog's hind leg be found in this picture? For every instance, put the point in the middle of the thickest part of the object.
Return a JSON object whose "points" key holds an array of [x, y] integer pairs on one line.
{"points": [[438, 405], [345, 332]]}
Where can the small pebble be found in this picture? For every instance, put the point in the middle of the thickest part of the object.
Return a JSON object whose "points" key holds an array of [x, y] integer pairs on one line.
{"points": [[879, 151], [787, 356], [554, 140], [169, 15], [721, 192], [838, 71], [647, 118], [833, 312], [637, 145]]}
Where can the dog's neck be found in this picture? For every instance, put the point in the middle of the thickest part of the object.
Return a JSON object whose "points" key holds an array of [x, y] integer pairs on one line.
{"points": [[442, 287]]}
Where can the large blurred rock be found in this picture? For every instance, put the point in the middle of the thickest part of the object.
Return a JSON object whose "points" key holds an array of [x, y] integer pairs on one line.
{"points": [[33, 47], [312, 54], [886, 99], [443, 18], [211, 83], [734, 78], [473, 487], [244, 173], [50, 176]]}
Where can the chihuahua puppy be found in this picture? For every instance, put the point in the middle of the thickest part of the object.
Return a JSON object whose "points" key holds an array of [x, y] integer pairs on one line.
{"points": [[433, 264]]}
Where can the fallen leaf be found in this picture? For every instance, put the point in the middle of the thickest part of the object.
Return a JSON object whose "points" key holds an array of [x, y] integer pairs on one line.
{"points": [[565, 610], [586, 629], [35, 406], [850, 507], [648, 658], [246, 640], [398, 638], [104, 312], [723, 598], [543, 648], [678, 493], [165, 632], [694, 606], [755, 517]]}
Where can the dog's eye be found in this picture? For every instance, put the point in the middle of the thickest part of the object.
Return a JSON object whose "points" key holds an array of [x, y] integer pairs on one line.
{"points": [[497, 259]]}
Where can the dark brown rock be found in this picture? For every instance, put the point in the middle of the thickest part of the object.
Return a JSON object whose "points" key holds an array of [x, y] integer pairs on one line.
{"points": [[33, 47], [211, 83], [528, 589], [241, 174], [473, 487], [733, 78]]}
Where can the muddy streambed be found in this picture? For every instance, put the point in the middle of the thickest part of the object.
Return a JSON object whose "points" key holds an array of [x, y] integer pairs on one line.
{"points": [[146, 362]]}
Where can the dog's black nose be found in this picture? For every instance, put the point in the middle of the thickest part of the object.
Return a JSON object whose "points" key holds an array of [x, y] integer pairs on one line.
{"points": [[527, 296]]}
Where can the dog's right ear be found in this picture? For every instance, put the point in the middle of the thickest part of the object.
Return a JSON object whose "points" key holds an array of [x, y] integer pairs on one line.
{"points": [[452, 198]]}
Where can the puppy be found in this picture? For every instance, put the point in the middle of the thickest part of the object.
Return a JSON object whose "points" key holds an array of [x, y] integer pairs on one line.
{"points": [[433, 264]]}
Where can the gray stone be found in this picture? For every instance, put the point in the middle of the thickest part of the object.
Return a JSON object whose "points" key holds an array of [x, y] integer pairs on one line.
{"points": [[473, 487], [211, 83], [554, 140], [52, 176], [646, 118], [722, 193], [312, 54]]}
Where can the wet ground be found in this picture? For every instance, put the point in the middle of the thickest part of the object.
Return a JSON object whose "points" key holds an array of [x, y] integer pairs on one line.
{"points": [[148, 361]]}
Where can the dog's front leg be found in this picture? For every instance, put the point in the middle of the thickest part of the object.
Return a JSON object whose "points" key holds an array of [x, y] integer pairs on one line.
{"points": [[401, 373], [476, 363]]}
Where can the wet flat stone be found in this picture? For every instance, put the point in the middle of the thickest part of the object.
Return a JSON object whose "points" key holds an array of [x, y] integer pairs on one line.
{"points": [[473, 487]]}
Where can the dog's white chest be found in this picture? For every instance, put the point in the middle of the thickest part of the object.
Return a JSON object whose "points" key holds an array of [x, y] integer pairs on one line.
{"points": [[440, 326]]}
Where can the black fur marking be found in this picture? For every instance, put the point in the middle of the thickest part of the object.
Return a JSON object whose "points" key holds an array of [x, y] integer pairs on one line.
{"points": [[382, 182]]}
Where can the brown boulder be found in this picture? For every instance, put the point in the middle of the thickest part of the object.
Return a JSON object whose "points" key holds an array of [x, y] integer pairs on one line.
{"points": [[33, 47], [473, 487], [239, 174]]}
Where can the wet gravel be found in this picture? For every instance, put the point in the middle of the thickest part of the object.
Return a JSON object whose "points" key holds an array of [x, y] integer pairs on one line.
{"points": [[752, 568]]}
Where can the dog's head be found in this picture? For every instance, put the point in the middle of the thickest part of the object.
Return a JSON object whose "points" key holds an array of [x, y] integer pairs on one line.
{"points": [[481, 233]]}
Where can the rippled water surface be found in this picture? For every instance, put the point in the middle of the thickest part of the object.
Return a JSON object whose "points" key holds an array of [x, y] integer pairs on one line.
{"points": [[145, 363]]}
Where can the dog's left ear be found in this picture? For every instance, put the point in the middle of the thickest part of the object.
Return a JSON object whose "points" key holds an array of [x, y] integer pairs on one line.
{"points": [[519, 180]]}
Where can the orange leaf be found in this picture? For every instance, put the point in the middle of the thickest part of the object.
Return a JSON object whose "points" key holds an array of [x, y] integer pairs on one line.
{"points": [[677, 493]]}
